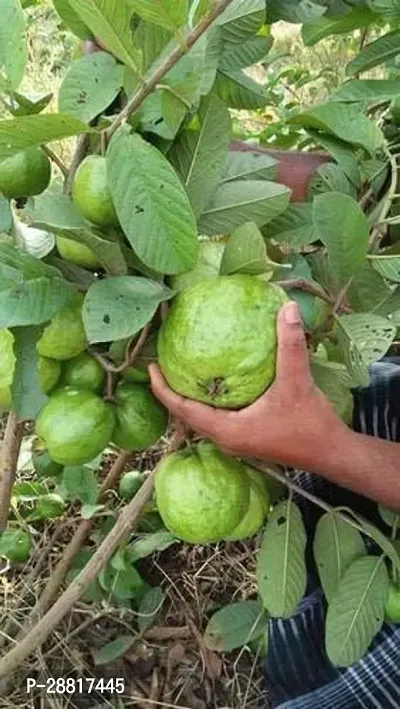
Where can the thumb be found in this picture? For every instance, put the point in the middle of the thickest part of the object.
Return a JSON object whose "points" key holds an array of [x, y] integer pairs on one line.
{"points": [[292, 360]]}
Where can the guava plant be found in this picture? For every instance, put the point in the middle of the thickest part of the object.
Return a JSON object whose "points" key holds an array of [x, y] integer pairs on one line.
{"points": [[122, 242]]}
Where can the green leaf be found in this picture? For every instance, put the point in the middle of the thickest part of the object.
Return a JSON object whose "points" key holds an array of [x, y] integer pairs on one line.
{"points": [[294, 227], [55, 209], [387, 266], [367, 91], [238, 90], [27, 397], [322, 27], [90, 86], [390, 517], [49, 506], [109, 20], [114, 650], [238, 202], [368, 290], [374, 54], [240, 56], [281, 569], [246, 252], [28, 491], [296, 11], [343, 227], [330, 178], [151, 40], [356, 612], [124, 584], [30, 291], [235, 626], [248, 166], [345, 121], [170, 14], [89, 511], [81, 484], [198, 156], [119, 307], [5, 215], [152, 205], [149, 608], [20, 133], [390, 9], [28, 104], [13, 42], [387, 546], [71, 19], [333, 379], [363, 340], [241, 20], [147, 545], [343, 154], [336, 545]]}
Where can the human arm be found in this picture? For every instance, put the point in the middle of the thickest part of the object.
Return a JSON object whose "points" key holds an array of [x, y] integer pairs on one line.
{"points": [[294, 424]]}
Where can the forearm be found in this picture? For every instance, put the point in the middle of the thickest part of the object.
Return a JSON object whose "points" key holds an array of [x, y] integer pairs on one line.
{"points": [[367, 465]]}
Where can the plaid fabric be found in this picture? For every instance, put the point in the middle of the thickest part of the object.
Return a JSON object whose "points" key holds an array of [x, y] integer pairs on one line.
{"points": [[299, 674]]}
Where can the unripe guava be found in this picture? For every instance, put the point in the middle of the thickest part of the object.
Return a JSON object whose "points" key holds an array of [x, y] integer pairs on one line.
{"points": [[392, 611], [65, 335], [218, 344], [75, 426], [141, 419], [130, 483], [80, 254], [91, 194], [25, 174], [202, 495], [257, 511], [83, 372], [208, 264]]}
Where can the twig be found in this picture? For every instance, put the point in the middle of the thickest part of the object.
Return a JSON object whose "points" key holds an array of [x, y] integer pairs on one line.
{"points": [[340, 300], [56, 160], [10, 448], [121, 530], [302, 284], [363, 201], [177, 53], [130, 356], [82, 146]]}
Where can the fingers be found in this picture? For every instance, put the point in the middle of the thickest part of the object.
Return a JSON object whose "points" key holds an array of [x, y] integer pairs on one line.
{"points": [[201, 418], [292, 360]]}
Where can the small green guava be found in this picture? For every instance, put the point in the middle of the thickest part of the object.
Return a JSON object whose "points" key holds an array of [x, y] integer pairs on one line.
{"points": [[65, 335], [15, 544], [208, 264], [83, 372], [91, 194], [141, 419], [130, 483], [202, 494], [257, 510], [25, 174], [75, 426], [218, 344], [80, 254], [392, 610], [49, 373]]}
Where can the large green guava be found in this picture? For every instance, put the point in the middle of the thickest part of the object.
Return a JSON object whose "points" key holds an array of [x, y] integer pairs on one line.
{"points": [[202, 494], [75, 426], [65, 335], [218, 343], [80, 254], [91, 194], [141, 419], [208, 264], [257, 510], [25, 174], [83, 372]]}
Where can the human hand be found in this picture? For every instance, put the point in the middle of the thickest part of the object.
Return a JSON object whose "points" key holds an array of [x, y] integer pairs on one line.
{"points": [[292, 423]]}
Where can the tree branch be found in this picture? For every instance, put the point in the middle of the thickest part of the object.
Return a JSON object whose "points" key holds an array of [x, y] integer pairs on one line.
{"points": [[10, 448], [82, 146], [173, 58], [56, 160], [130, 356], [314, 289]]}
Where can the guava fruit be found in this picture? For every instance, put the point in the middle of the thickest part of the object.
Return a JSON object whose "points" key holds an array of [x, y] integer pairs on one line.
{"points": [[91, 193], [25, 174], [15, 544], [130, 483], [65, 335], [392, 611], [83, 372], [133, 375], [140, 419], [218, 343], [7, 365], [49, 373], [257, 510], [202, 494], [80, 254], [75, 426], [208, 264]]}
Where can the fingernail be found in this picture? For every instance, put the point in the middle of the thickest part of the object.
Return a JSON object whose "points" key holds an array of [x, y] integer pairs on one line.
{"points": [[291, 313]]}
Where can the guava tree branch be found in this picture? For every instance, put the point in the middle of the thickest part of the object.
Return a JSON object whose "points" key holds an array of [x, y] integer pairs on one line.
{"points": [[124, 526], [56, 160], [82, 146], [10, 447], [173, 58], [314, 289], [130, 355]]}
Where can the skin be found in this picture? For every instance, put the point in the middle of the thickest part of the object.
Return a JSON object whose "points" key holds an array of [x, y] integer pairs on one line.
{"points": [[293, 424]]}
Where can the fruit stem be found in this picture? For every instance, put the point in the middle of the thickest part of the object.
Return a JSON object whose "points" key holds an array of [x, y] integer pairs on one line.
{"points": [[10, 448], [130, 356], [56, 160]]}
